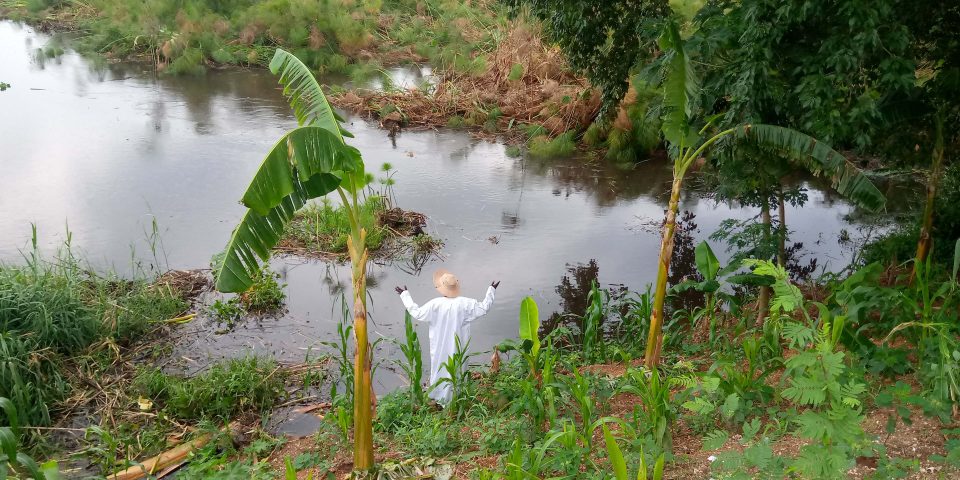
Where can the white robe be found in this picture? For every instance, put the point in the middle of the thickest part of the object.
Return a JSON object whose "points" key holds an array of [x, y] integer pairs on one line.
{"points": [[449, 318]]}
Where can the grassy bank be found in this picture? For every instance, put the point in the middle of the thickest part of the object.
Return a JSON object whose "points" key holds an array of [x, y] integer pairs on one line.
{"points": [[60, 323], [493, 74], [342, 36]]}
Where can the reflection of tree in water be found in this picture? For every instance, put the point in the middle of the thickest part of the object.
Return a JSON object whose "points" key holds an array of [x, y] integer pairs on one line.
{"points": [[683, 264], [574, 289], [607, 182]]}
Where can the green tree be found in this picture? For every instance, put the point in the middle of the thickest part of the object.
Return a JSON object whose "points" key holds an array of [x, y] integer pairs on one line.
{"points": [[685, 131], [310, 161]]}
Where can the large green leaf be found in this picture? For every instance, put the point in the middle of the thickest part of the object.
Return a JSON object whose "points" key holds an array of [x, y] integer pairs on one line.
{"points": [[615, 455], [680, 86], [820, 159], [302, 153], [530, 324], [707, 262], [306, 163], [303, 91]]}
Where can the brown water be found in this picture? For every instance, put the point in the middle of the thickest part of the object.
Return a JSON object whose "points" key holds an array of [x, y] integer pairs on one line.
{"points": [[108, 149]]}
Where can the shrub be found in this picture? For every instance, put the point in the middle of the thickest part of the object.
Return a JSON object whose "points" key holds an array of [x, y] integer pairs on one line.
{"points": [[561, 146]]}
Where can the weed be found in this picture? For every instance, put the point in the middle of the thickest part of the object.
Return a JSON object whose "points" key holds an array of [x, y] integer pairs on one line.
{"points": [[221, 392], [323, 228], [542, 146], [265, 294]]}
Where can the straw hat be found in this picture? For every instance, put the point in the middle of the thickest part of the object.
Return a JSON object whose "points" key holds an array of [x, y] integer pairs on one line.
{"points": [[446, 283]]}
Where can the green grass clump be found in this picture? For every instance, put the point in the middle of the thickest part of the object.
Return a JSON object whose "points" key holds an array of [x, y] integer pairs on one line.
{"points": [[51, 312], [513, 151], [560, 146], [266, 293], [190, 62], [323, 228], [456, 121], [223, 391]]}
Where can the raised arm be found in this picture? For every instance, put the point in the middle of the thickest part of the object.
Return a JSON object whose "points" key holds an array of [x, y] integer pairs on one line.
{"points": [[416, 311], [480, 308]]}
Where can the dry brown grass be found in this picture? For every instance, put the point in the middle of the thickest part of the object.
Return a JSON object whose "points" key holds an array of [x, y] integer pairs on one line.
{"points": [[546, 93]]}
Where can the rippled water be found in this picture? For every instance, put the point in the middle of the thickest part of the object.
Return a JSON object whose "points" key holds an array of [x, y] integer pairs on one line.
{"points": [[109, 148]]}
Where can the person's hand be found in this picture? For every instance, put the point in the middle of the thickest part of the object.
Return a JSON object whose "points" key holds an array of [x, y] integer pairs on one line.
{"points": [[400, 289], [495, 284]]}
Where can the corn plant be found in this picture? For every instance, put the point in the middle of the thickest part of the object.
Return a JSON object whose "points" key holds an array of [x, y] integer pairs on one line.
{"points": [[593, 348], [619, 464], [458, 377], [657, 415], [412, 365]]}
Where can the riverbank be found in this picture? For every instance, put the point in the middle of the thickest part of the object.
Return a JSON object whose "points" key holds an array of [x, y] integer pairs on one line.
{"points": [[717, 406], [491, 75]]}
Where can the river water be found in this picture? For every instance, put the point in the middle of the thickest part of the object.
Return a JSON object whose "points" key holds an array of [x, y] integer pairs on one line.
{"points": [[108, 149]]}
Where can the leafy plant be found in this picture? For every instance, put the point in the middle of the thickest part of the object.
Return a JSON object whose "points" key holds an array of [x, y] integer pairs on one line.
{"points": [[12, 460], [413, 362], [819, 380], [619, 464]]}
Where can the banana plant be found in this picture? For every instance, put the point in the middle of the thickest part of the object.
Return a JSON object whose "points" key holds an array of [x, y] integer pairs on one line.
{"points": [[688, 138], [307, 162]]}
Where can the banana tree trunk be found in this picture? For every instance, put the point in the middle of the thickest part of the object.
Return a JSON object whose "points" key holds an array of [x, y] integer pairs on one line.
{"points": [[763, 302], [781, 229], [655, 336], [362, 381], [925, 241]]}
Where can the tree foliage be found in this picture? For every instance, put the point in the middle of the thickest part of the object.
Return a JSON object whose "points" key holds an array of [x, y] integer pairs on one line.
{"points": [[602, 40]]}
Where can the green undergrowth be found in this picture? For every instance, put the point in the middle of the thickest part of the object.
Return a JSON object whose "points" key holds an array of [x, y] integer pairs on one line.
{"points": [[572, 402], [56, 314], [342, 36], [322, 228], [218, 393]]}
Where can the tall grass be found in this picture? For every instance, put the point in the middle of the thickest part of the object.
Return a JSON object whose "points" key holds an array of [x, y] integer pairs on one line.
{"points": [[331, 36], [53, 311]]}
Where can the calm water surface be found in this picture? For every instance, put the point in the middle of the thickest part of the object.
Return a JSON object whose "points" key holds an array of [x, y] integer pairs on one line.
{"points": [[108, 149]]}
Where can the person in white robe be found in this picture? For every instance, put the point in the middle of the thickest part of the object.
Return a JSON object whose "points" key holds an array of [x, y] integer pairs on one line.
{"points": [[449, 317]]}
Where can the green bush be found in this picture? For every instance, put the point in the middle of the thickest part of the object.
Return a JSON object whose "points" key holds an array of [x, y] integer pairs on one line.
{"points": [[223, 391], [545, 147]]}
